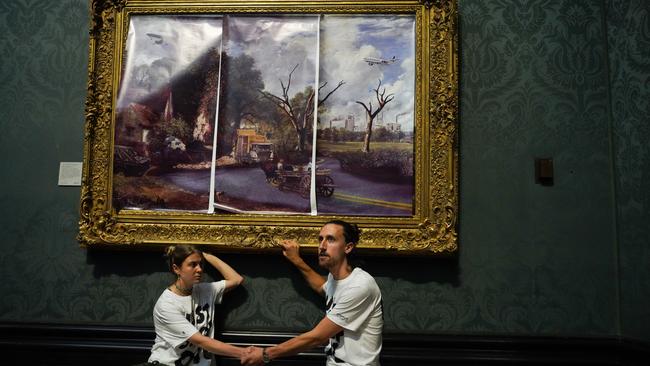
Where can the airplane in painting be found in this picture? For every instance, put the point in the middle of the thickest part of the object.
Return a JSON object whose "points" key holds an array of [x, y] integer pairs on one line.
{"points": [[379, 61], [155, 38]]}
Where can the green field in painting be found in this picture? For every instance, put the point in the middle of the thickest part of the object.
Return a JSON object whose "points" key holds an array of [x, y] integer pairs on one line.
{"points": [[357, 145]]}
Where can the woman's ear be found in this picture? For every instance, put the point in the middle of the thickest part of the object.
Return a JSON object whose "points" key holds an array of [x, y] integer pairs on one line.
{"points": [[176, 269]]}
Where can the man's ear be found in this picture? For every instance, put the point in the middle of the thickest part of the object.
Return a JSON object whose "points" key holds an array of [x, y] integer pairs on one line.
{"points": [[349, 247]]}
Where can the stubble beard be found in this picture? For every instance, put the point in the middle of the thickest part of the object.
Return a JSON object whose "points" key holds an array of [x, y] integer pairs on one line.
{"points": [[325, 261]]}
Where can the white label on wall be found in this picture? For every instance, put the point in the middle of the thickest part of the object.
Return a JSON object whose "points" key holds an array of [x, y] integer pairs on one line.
{"points": [[70, 174]]}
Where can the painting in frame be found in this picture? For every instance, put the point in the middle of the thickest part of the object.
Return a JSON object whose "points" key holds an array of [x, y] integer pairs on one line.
{"points": [[239, 125]]}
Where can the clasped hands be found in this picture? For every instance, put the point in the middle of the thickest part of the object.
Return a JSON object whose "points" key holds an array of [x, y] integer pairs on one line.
{"points": [[251, 356]]}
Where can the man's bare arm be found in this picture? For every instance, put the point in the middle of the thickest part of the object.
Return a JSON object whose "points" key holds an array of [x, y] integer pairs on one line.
{"points": [[315, 337], [291, 251]]}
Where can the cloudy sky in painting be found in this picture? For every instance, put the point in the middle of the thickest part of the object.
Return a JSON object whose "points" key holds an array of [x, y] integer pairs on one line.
{"points": [[277, 44], [345, 42], [168, 44]]}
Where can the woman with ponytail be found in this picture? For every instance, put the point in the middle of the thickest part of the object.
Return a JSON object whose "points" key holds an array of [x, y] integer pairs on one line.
{"points": [[184, 313]]}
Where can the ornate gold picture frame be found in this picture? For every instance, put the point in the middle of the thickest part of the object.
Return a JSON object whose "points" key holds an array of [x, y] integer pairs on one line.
{"points": [[165, 161]]}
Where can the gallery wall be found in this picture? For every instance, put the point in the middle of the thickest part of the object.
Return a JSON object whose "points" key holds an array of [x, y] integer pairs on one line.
{"points": [[561, 79], [629, 54]]}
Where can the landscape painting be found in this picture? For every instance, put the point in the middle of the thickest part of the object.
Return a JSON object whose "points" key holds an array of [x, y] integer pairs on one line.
{"points": [[218, 114], [266, 114], [165, 112], [238, 124], [365, 130]]}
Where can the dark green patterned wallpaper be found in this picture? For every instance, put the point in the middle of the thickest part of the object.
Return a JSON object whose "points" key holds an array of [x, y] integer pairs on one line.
{"points": [[533, 260], [629, 52], [536, 259]]}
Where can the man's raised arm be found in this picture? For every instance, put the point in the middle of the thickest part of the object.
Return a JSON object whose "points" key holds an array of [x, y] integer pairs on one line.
{"points": [[291, 251]]}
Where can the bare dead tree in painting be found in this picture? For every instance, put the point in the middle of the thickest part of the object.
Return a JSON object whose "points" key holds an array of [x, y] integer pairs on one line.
{"points": [[382, 99], [299, 111]]}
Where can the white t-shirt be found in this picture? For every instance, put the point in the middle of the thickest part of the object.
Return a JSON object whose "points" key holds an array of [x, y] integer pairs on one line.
{"points": [[176, 318], [354, 303]]}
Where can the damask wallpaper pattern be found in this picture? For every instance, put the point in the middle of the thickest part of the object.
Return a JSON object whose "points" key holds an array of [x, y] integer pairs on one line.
{"points": [[629, 52], [533, 259]]}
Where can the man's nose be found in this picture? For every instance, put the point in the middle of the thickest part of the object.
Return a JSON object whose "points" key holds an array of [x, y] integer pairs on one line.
{"points": [[322, 245]]}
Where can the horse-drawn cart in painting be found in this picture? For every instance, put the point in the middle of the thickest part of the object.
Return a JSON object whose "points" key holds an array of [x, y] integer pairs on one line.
{"points": [[299, 180]]}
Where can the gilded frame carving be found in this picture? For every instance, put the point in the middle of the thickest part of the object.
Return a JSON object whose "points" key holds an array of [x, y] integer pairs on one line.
{"points": [[431, 230]]}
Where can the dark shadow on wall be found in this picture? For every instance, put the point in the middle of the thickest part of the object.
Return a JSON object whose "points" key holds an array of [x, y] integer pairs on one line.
{"points": [[128, 264], [125, 263], [422, 269], [416, 270], [273, 265]]}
